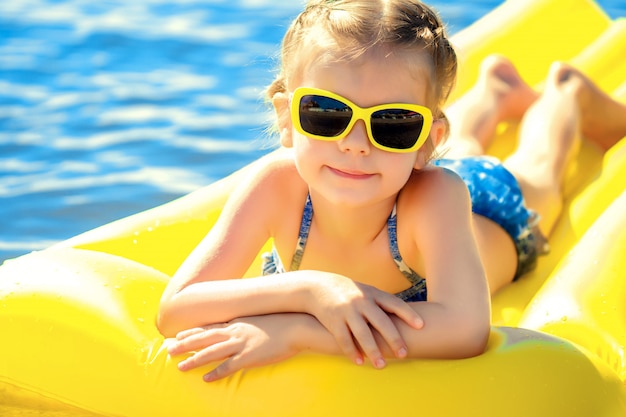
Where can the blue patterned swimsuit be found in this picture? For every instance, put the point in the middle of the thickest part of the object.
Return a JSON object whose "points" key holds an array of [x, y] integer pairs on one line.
{"points": [[495, 194]]}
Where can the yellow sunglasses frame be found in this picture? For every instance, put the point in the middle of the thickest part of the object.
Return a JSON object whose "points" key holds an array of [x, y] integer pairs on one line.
{"points": [[359, 113]]}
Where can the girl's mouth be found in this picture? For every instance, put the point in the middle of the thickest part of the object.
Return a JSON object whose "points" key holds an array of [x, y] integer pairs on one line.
{"points": [[350, 174]]}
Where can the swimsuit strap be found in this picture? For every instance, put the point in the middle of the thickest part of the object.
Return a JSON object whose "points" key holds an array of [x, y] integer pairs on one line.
{"points": [[417, 291], [305, 226], [406, 270]]}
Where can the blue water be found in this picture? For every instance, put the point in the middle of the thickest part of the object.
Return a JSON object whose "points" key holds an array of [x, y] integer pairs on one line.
{"points": [[108, 108]]}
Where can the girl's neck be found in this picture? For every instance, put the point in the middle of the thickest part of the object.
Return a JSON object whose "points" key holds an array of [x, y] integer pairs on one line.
{"points": [[351, 223]]}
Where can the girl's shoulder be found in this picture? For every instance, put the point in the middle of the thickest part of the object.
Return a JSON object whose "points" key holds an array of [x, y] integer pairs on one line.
{"points": [[431, 182], [434, 205], [275, 173], [270, 186], [268, 196], [432, 196]]}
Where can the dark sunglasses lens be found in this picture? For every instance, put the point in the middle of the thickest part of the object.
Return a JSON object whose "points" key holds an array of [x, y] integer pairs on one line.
{"points": [[324, 116], [397, 128]]}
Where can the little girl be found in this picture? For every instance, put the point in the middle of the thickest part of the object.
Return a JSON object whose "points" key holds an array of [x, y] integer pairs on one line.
{"points": [[376, 251]]}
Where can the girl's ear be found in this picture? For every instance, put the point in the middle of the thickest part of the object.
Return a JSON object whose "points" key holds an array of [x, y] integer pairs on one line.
{"points": [[437, 135], [280, 101], [438, 132]]}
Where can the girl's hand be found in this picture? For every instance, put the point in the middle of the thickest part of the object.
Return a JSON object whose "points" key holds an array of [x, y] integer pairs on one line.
{"points": [[242, 343], [351, 311]]}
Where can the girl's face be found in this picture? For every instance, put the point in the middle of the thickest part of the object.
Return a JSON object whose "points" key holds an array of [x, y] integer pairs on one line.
{"points": [[352, 171]]}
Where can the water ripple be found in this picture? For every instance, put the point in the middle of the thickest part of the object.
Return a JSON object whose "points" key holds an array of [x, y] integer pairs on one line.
{"points": [[108, 108]]}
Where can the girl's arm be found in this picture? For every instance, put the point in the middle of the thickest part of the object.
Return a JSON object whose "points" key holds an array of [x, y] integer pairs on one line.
{"points": [[206, 288], [261, 340], [457, 315]]}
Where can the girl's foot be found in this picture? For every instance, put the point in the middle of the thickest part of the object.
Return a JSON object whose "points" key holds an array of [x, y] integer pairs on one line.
{"points": [[501, 83], [500, 94], [602, 119]]}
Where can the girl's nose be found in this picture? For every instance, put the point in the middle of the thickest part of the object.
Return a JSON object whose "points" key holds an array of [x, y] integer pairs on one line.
{"points": [[356, 141]]}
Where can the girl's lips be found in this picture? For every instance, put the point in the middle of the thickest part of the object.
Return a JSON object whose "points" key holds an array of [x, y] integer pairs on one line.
{"points": [[355, 175]]}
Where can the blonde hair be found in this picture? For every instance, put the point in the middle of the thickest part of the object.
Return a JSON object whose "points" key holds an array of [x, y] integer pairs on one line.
{"points": [[347, 29]]}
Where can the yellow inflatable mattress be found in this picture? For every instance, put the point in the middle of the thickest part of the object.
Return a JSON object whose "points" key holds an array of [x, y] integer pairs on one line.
{"points": [[78, 319]]}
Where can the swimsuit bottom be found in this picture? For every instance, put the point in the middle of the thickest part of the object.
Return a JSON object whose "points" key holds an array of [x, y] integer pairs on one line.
{"points": [[496, 195]]}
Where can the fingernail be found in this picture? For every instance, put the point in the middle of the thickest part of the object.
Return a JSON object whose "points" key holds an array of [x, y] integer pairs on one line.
{"points": [[208, 377], [380, 363], [402, 353], [359, 360]]}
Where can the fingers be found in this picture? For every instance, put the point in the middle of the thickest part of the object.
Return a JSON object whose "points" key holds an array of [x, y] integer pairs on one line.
{"points": [[380, 321], [236, 345], [226, 368], [225, 351], [344, 338], [363, 335], [355, 336], [375, 315], [213, 346], [403, 310], [190, 332], [209, 354], [197, 338]]}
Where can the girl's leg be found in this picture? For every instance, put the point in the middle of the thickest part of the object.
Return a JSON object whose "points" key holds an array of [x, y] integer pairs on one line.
{"points": [[570, 106], [603, 119], [499, 94], [548, 133]]}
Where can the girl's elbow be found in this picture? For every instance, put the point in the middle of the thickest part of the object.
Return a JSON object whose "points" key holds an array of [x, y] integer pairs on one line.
{"points": [[477, 343], [171, 317], [164, 325], [474, 338], [166, 322]]}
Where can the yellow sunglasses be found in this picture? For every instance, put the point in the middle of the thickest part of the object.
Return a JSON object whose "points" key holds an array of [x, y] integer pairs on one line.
{"points": [[394, 127]]}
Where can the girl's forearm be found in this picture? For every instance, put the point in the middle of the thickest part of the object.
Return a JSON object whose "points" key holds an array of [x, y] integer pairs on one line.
{"points": [[211, 302], [445, 335], [448, 333]]}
